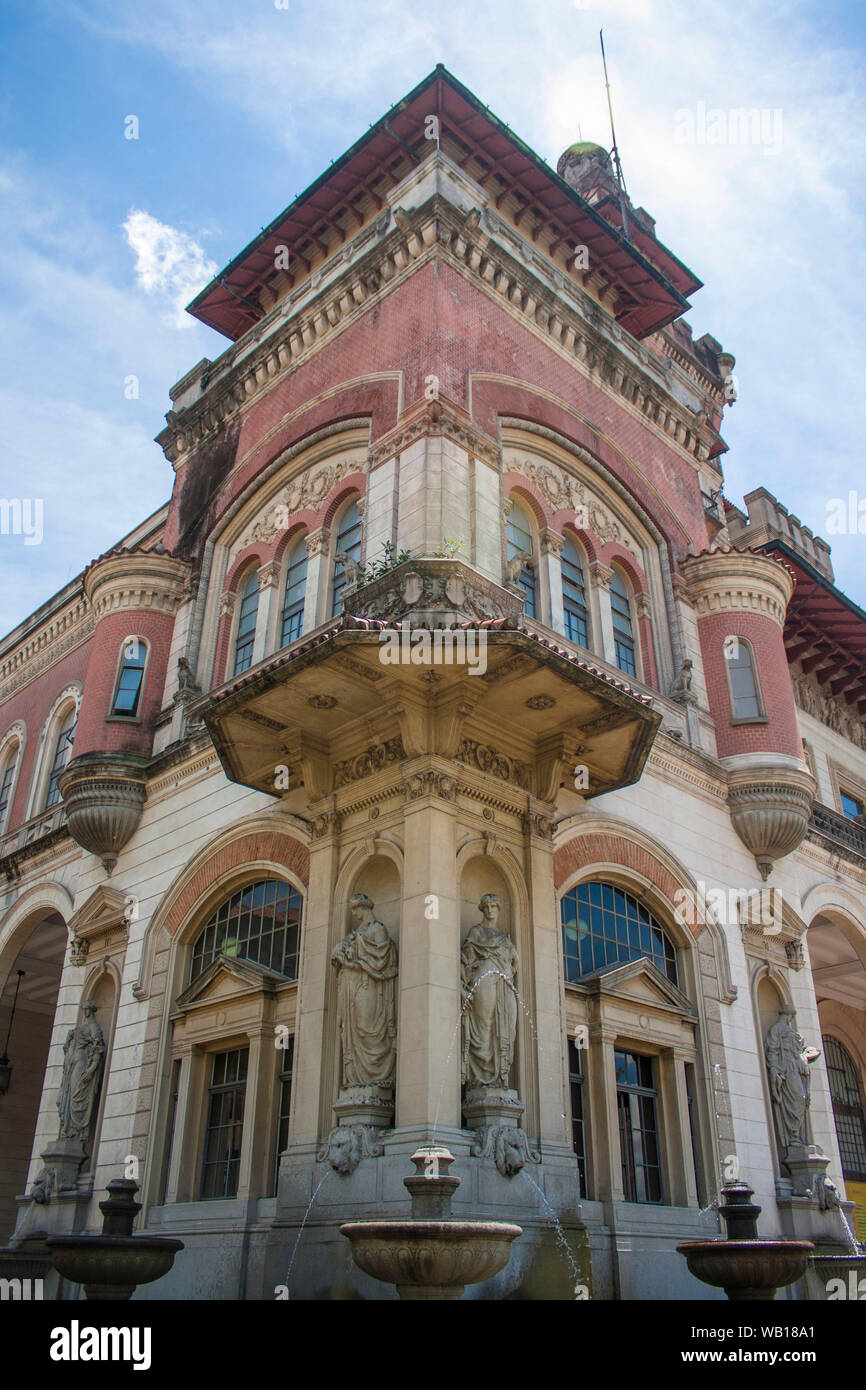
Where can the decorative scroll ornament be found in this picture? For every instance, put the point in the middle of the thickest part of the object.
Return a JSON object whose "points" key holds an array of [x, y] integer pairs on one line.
{"points": [[306, 492], [566, 493]]}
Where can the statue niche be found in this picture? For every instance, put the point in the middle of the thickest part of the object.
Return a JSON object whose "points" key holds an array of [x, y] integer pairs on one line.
{"points": [[489, 963], [366, 966], [83, 1057]]}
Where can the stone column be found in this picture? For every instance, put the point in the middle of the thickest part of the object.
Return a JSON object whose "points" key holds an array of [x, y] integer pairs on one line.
{"points": [[551, 564], [603, 1116], [602, 619], [266, 640], [675, 1129], [258, 1112], [428, 1079], [312, 1095], [317, 593], [548, 1004], [185, 1161]]}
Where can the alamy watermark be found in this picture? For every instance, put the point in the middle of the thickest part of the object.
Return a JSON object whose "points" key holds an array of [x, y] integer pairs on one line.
{"points": [[22, 516], [739, 125], [437, 646]]}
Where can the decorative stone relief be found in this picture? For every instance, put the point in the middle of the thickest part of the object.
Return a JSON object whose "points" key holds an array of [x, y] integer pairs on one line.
{"points": [[308, 491], [430, 783], [486, 759], [830, 710], [373, 759], [317, 542], [565, 492]]}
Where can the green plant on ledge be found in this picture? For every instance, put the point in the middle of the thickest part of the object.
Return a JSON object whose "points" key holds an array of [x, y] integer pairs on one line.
{"points": [[391, 558], [449, 550]]}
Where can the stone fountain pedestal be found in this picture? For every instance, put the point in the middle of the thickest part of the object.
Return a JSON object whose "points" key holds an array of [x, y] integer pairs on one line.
{"points": [[744, 1265], [431, 1256]]}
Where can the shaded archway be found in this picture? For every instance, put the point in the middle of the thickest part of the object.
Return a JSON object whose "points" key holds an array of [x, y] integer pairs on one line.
{"points": [[39, 947]]}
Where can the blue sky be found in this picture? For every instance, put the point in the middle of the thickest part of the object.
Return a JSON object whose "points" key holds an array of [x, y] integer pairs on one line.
{"points": [[241, 105]]}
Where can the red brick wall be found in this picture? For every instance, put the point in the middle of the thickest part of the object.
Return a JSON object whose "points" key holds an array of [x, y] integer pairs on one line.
{"points": [[96, 732], [781, 734], [437, 322], [608, 848], [268, 845], [31, 706]]}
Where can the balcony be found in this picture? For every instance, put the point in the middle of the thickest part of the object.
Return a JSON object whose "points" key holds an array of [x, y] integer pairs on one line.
{"points": [[843, 835], [31, 837]]}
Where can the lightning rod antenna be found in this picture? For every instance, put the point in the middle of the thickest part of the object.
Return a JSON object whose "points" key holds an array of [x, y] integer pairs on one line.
{"points": [[616, 161]]}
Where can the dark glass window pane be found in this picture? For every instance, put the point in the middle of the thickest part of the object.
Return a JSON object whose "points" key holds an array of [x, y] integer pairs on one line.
{"points": [[847, 1109], [246, 633], [225, 1122], [6, 788], [285, 1102], [603, 925], [518, 537], [62, 754], [741, 674], [578, 1127], [850, 806], [638, 1128], [293, 599], [348, 542], [623, 639], [259, 923]]}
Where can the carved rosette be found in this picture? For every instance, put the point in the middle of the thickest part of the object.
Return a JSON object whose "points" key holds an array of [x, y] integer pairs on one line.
{"points": [[104, 794], [770, 809]]}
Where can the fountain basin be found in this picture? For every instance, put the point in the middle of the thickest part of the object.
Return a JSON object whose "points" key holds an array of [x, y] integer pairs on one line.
{"points": [[747, 1269], [431, 1259], [110, 1267]]}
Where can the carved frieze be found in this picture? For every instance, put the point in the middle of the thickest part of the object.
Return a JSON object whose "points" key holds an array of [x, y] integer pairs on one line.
{"points": [[306, 492], [563, 492], [373, 759], [830, 710], [486, 759]]}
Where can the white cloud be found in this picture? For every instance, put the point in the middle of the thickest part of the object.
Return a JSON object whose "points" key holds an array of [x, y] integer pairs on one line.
{"points": [[168, 263]]}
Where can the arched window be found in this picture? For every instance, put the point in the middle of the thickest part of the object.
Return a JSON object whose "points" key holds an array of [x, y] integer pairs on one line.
{"points": [[7, 780], [295, 592], [742, 680], [623, 637], [247, 614], [575, 614], [261, 922], [847, 1109], [602, 926], [518, 538], [130, 679], [348, 543], [62, 754]]}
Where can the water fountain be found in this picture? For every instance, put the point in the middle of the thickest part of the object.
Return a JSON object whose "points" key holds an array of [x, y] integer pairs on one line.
{"points": [[433, 1255], [113, 1264], [742, 1264]]}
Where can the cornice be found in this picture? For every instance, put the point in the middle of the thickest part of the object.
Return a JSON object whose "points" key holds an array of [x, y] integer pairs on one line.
{"points": [[559, 312], [135, 580], [738, 581], [47, 645]]}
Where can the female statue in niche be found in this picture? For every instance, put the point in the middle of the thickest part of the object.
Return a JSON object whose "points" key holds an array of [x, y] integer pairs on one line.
{"points": [[83, 1055], [489, 963], [788, 1061], [366, 965]]}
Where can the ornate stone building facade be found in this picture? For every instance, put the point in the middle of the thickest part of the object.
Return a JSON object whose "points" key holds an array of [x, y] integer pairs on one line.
{"points": [[430, 769]]}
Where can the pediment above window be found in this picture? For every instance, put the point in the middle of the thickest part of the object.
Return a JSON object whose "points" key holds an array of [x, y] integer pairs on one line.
{"points": [[228, 978], [640, 982], [100, 925]]}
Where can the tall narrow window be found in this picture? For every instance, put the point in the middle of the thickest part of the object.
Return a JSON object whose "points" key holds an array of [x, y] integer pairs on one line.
{"points": [[6, 779], [296, 588], [127, 694], [348, 543], [225, 1125], [574, 596], [623, 638], [851, 807], [847, 1109], [578, 1127], [170, 1124], [247, 615], [638, 1128], [62, 754], [518, 538], [285, 1105], [742, 682]]}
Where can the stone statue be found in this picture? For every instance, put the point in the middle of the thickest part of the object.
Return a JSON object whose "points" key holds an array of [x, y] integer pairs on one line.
{"points": [[489, 963], [83, 1056], [788, 1061], [682, 687], [350, 567], [366, 962]]}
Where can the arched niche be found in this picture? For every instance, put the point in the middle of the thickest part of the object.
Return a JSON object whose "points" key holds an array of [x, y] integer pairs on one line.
{"points": [[769, 995], [102, 989], [480, 874], [379, 878]]}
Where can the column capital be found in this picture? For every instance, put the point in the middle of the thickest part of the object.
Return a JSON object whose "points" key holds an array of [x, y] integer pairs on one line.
{"points": [[269, 574], [600, 575], [551, 541], [317, 541]]}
